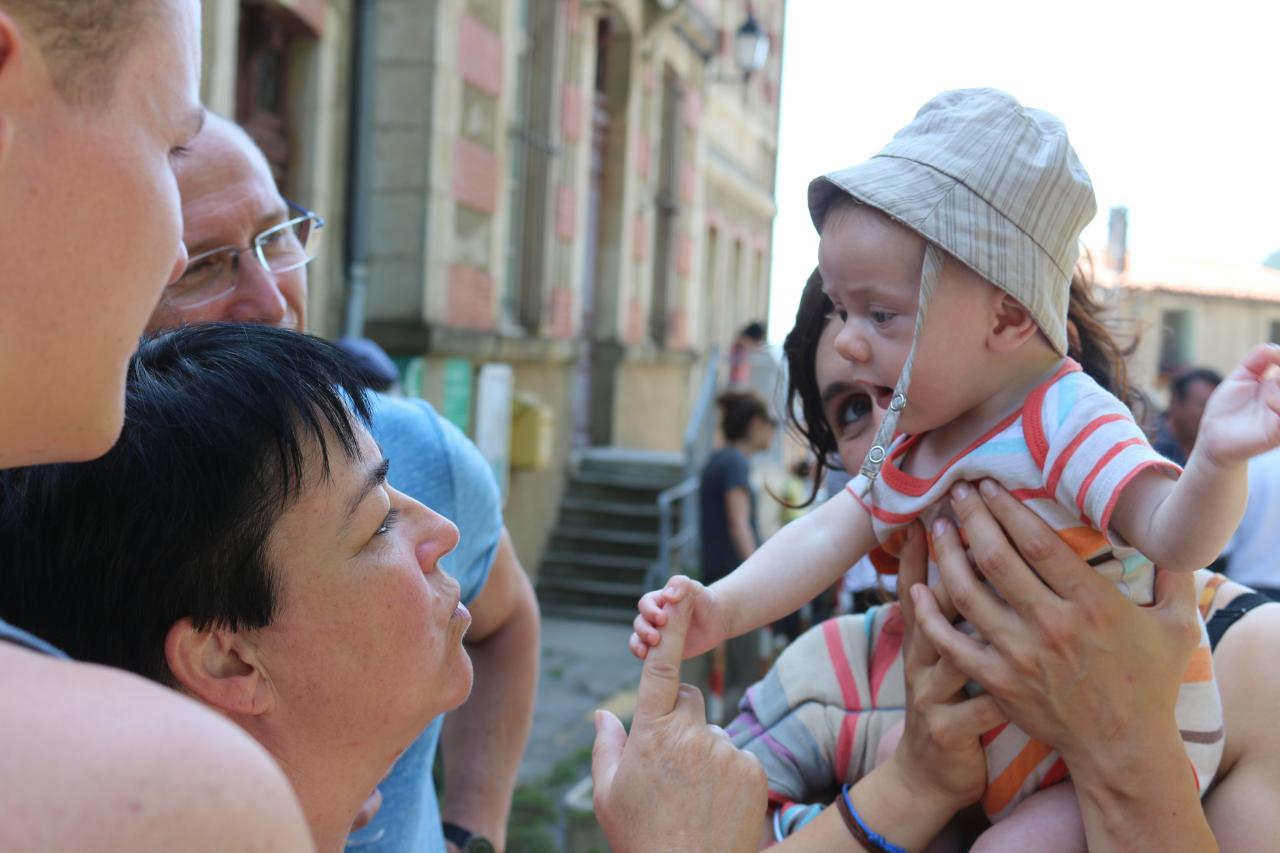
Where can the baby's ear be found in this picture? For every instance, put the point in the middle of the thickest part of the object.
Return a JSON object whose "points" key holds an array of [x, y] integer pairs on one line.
{"points": [[1012, 324]]}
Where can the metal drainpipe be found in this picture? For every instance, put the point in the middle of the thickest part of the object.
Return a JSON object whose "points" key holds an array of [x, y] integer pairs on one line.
{"points": [[358, 134]]}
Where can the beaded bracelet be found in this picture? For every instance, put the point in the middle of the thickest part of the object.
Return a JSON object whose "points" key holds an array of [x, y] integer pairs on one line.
{"points": [[858, 828]]}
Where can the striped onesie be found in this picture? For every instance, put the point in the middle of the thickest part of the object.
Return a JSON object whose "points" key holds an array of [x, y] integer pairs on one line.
{"points": [[1067, 454]]}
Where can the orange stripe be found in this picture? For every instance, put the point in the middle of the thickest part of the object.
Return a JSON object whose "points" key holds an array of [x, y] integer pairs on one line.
{"points": [[1085, 541], [1002, 790], [1209, 593], [1200, 669]]}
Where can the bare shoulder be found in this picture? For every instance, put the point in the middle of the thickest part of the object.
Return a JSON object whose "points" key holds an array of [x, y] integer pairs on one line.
{"points": [[1241, 806], [94, 758], [1249, 680]]}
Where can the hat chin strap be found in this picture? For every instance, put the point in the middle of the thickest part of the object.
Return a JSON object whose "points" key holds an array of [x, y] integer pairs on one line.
{"points": [[879, 451]]}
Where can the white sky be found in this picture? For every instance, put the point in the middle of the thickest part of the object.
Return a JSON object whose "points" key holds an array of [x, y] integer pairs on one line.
{"points": [[1173, 107]]}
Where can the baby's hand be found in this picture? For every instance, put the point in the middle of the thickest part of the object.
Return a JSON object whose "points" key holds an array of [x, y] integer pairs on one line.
{"points": [[706, 630], [1242, 417]]}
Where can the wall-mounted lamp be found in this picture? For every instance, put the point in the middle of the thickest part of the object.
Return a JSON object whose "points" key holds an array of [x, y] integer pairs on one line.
{"points": [[750, 46]]}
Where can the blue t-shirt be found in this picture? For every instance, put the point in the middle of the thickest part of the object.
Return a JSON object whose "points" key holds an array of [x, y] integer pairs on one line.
{"points": [[432, 462]]}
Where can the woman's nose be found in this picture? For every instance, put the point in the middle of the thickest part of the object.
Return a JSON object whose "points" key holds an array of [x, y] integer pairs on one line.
{"points": [[439, 536]]}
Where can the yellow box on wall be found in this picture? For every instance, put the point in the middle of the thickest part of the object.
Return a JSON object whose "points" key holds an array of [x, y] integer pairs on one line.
{"points": [[531, 432]]}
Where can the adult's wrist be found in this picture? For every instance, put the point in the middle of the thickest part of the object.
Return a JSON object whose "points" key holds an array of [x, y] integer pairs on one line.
{"points": [[1131, 775], [905, 811]]}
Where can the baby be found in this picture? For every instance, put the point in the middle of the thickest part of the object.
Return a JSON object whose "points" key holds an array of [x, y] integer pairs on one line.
{"points": [[951, 251]]}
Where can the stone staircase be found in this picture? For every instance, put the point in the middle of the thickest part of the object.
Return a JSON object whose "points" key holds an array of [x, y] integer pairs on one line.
{"points": [[606, 535]]}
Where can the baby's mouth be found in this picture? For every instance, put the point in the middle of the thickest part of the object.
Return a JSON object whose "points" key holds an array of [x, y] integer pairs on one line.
{"points": [[883, 396]]}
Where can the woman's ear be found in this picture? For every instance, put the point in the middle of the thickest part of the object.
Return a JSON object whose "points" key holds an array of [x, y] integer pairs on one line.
{"points": [[218, 667], [1012, 324]]}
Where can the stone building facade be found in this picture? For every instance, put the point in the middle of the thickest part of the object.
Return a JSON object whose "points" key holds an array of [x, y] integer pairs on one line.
{"points": [[580, 189]]}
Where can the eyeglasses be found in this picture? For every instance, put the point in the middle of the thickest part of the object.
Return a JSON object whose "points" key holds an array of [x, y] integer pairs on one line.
{"points": [[213, 274]]}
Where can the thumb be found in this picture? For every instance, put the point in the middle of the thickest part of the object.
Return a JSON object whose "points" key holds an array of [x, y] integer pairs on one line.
{"points": [[606, 753], [1175, 604]]}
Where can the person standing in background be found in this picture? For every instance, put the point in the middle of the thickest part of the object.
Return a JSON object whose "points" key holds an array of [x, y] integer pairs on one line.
{"points": [[728, 525], [749, 340], [1179, 426]]}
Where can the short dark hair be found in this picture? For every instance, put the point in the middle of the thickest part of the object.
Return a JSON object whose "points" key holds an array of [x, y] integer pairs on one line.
{"points": [[738, 410], [1181, 384], [754, 331], [83, 40], [101, 558]]}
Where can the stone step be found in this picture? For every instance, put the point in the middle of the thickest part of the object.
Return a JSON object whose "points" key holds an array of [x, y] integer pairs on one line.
{"points": [[607, 535], [604, 562], [622, 481], [611, 589], [588, 612], [630, 509]]}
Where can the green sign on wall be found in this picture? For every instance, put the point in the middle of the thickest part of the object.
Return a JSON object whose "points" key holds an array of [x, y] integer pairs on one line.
{"points": [[456, 406]]}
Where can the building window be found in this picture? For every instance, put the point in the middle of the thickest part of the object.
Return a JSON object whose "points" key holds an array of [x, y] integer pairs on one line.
{"points": [[1175, 341], [517, 167], [269, 34], [666, 203]]}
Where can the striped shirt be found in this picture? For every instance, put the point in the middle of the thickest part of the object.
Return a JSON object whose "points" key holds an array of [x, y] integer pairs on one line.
{"points": [[1067, 454]]}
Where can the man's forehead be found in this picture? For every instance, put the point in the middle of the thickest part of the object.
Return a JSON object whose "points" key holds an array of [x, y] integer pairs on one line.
{"points": [[225, 181]]}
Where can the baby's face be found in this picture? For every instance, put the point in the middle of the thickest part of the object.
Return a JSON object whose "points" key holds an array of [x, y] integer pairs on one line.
{"points": [[871, 267]]}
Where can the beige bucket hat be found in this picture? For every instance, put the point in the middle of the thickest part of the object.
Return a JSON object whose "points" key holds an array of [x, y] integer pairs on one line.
{"points": [[992, 183]]}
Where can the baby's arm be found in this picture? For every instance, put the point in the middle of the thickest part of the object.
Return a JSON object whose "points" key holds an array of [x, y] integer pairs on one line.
{"points": [[792, 567], [1183, 525]]}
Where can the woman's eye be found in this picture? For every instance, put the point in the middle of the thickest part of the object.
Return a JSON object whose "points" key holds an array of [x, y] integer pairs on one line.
{"points": [[838, 314], [852, 410], [389, 522]]}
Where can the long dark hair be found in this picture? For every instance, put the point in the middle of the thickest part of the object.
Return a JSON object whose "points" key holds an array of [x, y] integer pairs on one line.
{"points": [[805, 416], [1090, 341]]}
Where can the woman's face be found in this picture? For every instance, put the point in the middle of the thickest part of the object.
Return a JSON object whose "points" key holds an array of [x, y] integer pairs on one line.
{"points": [[368, 638], [847, 404]]}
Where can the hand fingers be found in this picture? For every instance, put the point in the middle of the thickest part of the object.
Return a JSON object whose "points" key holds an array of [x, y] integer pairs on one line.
{"points": [[973, 600], [1053, 560], [718, 732], [644, 629], [678, 586], [1175, 607], [1257, 363], [912, 570], [970, 718], [638, 647], [606, 753], [660, 679], [965, 653], [650, 608], [690, 705]]}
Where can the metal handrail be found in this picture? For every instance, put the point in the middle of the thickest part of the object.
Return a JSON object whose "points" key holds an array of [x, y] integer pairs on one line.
{"points": [[669, 540], [695, 432]]}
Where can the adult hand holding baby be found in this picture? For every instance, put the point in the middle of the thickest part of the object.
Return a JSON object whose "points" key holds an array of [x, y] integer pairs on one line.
{"points": [[674, 783], [1076, 665]]}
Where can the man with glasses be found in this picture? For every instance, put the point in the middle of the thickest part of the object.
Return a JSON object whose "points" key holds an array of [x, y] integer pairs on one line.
{"points": [[248, 249]]}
